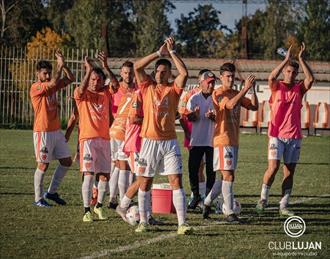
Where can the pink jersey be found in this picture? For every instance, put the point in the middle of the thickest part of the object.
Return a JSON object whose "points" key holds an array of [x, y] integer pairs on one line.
{"points": [[133, 141], [286, 104]]}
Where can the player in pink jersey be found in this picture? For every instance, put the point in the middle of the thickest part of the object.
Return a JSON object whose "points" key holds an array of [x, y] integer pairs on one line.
{"points": [[285, 127]]}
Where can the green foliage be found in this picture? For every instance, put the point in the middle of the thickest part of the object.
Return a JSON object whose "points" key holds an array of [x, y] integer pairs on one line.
{"points": [[21, 22], [151, 25], [200, 33], [314, 29]]}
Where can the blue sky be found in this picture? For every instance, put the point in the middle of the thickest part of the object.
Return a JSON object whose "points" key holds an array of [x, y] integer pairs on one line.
{"points": [[231, 11]]}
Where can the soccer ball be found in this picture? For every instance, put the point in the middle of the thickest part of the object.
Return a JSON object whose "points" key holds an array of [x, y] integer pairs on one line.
{"points": [[133, 215], [220, 208]]}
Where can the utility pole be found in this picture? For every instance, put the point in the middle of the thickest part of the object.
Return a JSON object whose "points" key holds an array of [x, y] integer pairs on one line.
{"points": [[244, 33]]}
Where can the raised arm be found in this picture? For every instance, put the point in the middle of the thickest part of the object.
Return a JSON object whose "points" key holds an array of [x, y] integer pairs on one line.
{"points": [[54, 82], [277, 70], [230, 104], [84, 83], [254, 99], [140, 65], [113, 80], [181, 79], [309, 77]]}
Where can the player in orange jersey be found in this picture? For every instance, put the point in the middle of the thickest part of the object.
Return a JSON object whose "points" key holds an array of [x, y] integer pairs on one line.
{"points": [[93, 100], [160, 150], [227, 103], [49, 141], [121, 175]]}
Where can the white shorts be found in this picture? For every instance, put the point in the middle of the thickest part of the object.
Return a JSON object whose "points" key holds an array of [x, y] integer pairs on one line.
{"points": [[225, 158], [50, 146], [95, 155], [289, 149], [117, 150], [133, 161], [161, 156]]}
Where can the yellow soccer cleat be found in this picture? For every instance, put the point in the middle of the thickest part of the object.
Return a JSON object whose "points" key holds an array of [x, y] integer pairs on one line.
{"points": [[142, 228], [185, 229], [88, 217], [100, 212]]}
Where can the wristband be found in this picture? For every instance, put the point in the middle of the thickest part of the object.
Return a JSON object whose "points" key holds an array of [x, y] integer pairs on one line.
{"points": [[158, 53], [172, 51]]}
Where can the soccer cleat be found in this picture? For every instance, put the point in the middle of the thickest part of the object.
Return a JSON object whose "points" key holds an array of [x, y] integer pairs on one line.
{"points": [[42, 203], [194, 202], [54, 197], [142, 228], [232, 219], [261, 205], [185, 229], [206, 211], [121, 212], [112, 205], [153, 221], [88, 217], [286, 213], [94, 197], [100, 212]]}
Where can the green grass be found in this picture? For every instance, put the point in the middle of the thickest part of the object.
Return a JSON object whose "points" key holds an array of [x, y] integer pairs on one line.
{"points": [[30, 232]]}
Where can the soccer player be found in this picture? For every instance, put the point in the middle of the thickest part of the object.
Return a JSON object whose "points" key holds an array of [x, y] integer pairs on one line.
{"points": [[285, 126], [93, 100], [49, 141], [202, 115], [160, 150], [122, 101], [227, 103]]}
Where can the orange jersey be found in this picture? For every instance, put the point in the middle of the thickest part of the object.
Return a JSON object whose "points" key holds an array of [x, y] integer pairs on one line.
{"points": [[160, 104], [226, 131], [116, 98], [45, 106], [94, 113], [118, 127], [184, 100]]}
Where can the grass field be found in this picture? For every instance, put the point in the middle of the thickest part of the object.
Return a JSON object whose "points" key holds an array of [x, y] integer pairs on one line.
{"points": [[31, 232]]}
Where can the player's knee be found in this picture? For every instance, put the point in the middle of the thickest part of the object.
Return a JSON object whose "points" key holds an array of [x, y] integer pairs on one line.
{"points": [[43, 166], [66, 161], [104, 177], [273, 168]]}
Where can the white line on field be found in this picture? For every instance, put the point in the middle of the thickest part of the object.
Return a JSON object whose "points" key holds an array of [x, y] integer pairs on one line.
{"points": [[138, 244]]}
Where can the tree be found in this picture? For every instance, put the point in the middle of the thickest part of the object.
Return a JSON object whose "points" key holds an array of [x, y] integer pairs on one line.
{"points": [[314, 29], [151, 24], [20, 20], [201, 33], [271, 29]]}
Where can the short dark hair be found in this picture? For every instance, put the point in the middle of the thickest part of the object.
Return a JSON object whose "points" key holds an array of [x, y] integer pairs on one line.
{"points": [[127, 63], [99, 71], [44, 64], [163, 61], [293, 63], [202, 71], [230, 67]]}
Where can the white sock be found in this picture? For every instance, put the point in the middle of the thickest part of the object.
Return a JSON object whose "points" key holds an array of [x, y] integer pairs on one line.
{"points": [[123, 181], [125, 202], [214, 193], [264, 192], [179, 201], [86, 190], [131, 178], [102, 186], [143, 206], [202, 189], [285, 199], [113, 184], [228, 196], [38, 184], [149, 204], [59, 174]]}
